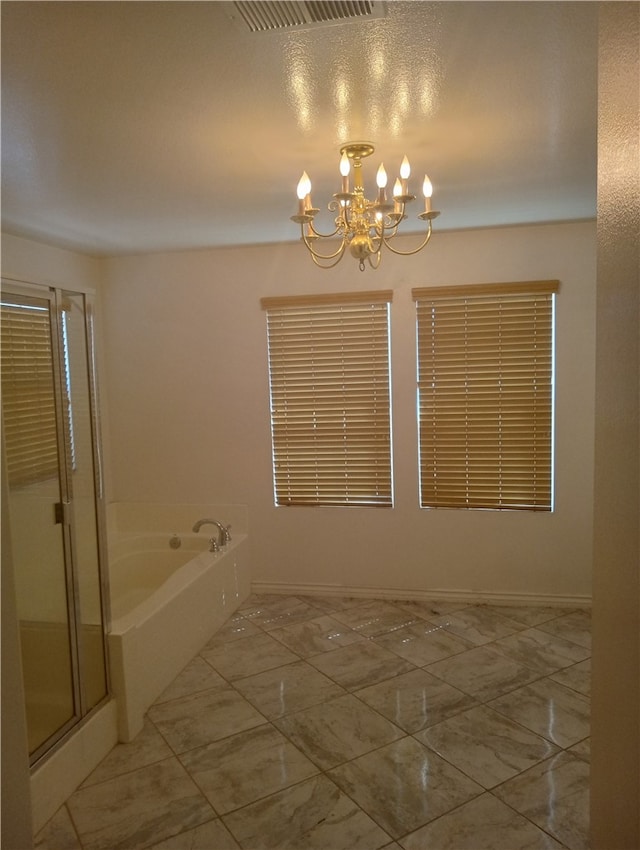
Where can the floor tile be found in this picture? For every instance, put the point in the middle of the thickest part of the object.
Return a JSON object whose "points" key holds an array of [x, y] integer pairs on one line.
{"points": [[58, 833], [555, 796], [582, 749], [486, 746], [274, 612], [530, 615], [329, 604], [429, 608], [247, 656], [234, 629], [483, 672], [422, 643], [245, 767], [146, 748], [314, 815], [549, 709], [542, 651], [404, 785], [322, 634], [258, 602], [415, 700], [344, 723], [575, 627], [338, 730], [360, 664], [202, 718], [577, 677], [375, 618], [135, 809], [210, 836], [286, 689], [484, 823], [478, 624], [196, 676]]}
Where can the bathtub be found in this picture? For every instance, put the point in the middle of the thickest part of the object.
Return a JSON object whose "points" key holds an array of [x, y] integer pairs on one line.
{"points": [[166, 603]]}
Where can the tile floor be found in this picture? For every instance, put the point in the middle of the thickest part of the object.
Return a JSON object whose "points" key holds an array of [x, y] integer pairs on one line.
{"points": [[350, 724]]}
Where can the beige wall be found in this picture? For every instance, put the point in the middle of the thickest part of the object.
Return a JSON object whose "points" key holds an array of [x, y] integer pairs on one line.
{"points": [[186, 370], [615, 775], [16, 796], [34, 262]]}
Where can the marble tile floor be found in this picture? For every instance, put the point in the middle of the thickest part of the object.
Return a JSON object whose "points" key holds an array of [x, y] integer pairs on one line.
{"points": [[315, 723]]}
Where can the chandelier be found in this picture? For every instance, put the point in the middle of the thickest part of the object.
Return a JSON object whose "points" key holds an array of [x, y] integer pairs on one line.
{"points": [[364, 226]]}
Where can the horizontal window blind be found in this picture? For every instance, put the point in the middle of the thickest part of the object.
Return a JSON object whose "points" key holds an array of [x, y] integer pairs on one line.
{"points": [[330, 399], [485, 395], [28, 402]]}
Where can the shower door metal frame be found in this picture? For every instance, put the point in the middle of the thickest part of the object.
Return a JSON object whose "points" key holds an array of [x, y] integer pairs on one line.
{"points": [[65, 509]]}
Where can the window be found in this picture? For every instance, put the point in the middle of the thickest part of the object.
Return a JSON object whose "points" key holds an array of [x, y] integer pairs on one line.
{"points": [[28, 398], [485, 395], [330, 399]]}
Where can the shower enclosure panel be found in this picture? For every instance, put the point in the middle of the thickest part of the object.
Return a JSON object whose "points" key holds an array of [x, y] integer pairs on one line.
{"points": [[50, 429]]}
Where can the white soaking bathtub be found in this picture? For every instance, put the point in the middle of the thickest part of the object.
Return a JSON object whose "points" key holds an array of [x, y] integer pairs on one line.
{"points": [[166, 604]]}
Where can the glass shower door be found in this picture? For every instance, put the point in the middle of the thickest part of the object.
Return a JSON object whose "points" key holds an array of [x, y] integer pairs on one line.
{"points": [[49, 414], [84, 477], [32, 424]]}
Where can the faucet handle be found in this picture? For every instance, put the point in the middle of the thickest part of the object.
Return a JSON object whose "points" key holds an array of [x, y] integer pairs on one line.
{"points": [[226, 534], [214, 546]]}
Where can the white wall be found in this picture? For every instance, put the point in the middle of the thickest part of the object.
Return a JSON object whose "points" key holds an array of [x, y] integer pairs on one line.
{"points": [[186, 370]]}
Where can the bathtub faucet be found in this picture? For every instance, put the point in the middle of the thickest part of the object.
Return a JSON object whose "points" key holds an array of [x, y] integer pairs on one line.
{"points": [[225, 533]]}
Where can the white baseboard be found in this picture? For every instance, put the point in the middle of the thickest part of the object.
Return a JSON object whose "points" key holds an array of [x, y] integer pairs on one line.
{"points": [[444, 595]]}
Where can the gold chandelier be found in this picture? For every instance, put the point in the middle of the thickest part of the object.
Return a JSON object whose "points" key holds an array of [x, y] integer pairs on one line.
{"points": [[364, 226]]}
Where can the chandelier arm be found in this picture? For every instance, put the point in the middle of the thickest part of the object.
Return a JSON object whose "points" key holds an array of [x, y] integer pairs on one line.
{"points": [[389, 231], [386, 224], [317, 257], [325, 235], [408, 253], [378, 257]]}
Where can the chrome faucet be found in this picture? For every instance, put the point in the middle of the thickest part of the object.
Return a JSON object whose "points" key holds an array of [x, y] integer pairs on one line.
{"points": [[225, 533]]}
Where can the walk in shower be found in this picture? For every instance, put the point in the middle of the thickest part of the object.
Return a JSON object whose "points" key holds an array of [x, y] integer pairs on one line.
{"points": [[51, 443]]}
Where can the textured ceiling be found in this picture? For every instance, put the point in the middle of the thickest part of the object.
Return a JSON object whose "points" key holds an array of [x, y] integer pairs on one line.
{"points": [[142, 126]]}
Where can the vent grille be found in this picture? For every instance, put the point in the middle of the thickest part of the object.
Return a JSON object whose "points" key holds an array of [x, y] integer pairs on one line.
{"points": [[266, 15]]}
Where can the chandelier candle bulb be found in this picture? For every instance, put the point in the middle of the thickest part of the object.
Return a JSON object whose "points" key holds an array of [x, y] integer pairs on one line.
{"points": [[405, 171], [397, 192], [345, 168], [381, 180], [304, 198], [427, 190]]}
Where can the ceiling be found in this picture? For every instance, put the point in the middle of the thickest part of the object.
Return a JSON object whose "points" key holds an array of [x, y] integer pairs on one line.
{"points": [[142, 126]]}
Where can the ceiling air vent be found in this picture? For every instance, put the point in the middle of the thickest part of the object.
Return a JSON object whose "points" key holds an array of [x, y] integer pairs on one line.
{"points": [[266, 15]]}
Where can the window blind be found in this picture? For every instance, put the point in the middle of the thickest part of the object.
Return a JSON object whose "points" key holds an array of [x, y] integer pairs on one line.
{"points": [[330, 399], [29, 414], [485, 395]]}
